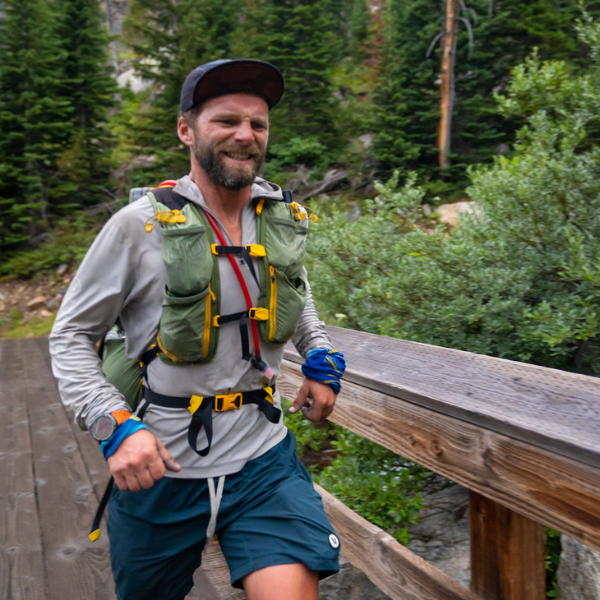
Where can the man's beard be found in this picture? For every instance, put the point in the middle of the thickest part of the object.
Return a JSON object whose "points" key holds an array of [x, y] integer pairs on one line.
{"points": [[232, 177]]}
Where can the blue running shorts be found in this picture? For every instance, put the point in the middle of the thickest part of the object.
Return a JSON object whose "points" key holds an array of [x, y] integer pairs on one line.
{"points": [[269, 515]]}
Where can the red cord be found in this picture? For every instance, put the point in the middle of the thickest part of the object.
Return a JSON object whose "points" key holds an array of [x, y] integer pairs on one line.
{"points": [[241, 281]]}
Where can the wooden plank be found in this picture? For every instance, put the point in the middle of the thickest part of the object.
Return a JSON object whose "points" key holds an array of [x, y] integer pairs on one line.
{"points": [[99, 473], [216, 570], [552, 409], [22, 574], [534, 482], [65, 494], [507, 553], [398, 572]]}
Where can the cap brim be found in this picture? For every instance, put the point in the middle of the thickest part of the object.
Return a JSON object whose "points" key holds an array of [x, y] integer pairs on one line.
{"points": [[241, 76]]}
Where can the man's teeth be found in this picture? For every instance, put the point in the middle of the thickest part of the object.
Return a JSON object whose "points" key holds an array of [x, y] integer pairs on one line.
{"points": [[238, 155]]}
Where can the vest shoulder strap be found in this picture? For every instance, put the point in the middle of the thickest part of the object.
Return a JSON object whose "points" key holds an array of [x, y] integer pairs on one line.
{"points": [[171, 199]]}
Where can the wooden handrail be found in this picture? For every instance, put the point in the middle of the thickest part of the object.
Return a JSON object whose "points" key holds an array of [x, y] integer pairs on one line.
{"points": [[524, 439]]}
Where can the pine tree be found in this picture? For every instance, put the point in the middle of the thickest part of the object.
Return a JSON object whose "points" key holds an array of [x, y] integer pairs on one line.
{"points": [[501, 40], [87, 81], [297, 36], [35, 117], [171, 38]]}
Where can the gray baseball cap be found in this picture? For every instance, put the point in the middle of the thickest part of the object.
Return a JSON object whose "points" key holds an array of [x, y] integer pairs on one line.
{"points": [[229, 77]]}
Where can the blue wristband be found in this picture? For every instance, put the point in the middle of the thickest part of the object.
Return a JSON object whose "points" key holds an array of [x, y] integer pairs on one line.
{"points": [[129, 427], [325, 366]]}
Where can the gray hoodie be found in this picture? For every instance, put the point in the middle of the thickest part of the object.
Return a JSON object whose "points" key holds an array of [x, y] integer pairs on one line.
{"points": [[122, 275]]}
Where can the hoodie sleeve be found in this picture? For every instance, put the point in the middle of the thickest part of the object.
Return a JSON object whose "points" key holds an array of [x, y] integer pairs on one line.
{"points": [[90, 308], [310, 332]]}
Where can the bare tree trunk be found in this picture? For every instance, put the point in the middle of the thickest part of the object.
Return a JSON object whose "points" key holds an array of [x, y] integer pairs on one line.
{"points": [[115, 13], [447, 82]]}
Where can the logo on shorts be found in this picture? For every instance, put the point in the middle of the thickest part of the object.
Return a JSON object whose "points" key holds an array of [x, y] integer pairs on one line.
{"points": [[333, 540]]}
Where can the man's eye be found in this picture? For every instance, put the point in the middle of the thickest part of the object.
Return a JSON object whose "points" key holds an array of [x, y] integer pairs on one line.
{"points": [[259, 126], [229, 122]]}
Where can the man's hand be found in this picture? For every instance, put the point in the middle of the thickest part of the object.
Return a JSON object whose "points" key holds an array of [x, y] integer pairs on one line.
{"points": [[322, 396], [139, 461]]}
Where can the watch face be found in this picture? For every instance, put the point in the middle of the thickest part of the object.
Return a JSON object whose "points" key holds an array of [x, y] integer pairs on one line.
{"points": [[103, 427]]}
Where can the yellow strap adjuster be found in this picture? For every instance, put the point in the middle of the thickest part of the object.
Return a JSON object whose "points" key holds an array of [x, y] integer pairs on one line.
{"points": [[256, 250], [94, 535], [229, 402], [259, 314], [260, 205], [170, 216], [195, 402], [269, 397]]}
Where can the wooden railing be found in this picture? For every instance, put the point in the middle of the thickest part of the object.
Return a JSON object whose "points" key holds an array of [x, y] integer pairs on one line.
{"points": [[524, 439]]}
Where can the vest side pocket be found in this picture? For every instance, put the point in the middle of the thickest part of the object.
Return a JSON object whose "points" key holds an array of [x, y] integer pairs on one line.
{"points": [[286, 301], [286, 245], [186, 328], [188, 260]]}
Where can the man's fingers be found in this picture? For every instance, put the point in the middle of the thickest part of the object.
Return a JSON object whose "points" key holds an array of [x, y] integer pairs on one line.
{"points": [[166, 457], [131, 483], [301, 398], [145, 479], [120, 482]]}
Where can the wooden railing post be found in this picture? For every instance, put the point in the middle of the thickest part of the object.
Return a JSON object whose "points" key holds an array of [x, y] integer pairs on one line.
{"points": [[507, 553]]}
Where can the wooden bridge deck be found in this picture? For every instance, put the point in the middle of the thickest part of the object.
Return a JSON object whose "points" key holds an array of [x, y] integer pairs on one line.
{"points": [[51, 477]]}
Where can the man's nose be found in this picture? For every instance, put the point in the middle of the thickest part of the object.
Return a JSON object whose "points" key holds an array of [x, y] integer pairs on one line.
{"points": [[244, 133]]}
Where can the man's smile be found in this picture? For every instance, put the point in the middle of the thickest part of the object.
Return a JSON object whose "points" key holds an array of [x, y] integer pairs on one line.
{"points": [[239, 156]]}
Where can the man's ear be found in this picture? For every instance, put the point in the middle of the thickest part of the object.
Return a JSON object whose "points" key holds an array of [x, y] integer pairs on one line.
{"points": [[185, 132]]}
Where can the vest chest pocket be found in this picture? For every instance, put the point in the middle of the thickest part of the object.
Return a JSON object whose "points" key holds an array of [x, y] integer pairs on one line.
{"points": [[186, 330], [187, 258], [286, 245]]}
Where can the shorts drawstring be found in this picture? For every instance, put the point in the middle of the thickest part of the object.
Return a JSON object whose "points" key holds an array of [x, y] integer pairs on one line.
{"points": [[215, 503]]}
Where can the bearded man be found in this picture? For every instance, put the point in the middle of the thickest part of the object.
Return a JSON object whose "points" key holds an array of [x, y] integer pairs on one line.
{"points": [[194, 273]]}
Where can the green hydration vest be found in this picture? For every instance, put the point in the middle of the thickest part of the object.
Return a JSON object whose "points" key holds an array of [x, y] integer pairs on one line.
{"points": [[191, 319]]}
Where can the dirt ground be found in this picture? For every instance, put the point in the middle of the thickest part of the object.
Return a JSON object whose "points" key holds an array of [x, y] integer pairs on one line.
{"points": [[28, 307]]}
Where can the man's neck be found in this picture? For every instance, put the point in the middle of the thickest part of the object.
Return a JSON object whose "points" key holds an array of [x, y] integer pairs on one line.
{"points": [[225, 204]]}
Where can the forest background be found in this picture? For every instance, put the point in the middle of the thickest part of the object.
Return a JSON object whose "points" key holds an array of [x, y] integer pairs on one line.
{"points": [[86, 114]]}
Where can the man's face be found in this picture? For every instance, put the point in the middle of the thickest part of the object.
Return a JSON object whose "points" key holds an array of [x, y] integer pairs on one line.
{"points": [[230, 139]]}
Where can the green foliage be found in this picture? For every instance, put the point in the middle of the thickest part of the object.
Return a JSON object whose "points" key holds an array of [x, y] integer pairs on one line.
{"points": [[519, 278], [88, 83], [170, 39], [66, 244], [407, 97], [55, 93], [35, 117], [299, 38], [553, 548], [379, 485], [33, 328]]}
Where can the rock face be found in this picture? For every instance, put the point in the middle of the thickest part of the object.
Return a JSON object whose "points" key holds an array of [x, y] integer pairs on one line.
{"points": [[441, 536], [349, 584], [450, 213], [579, 571]]}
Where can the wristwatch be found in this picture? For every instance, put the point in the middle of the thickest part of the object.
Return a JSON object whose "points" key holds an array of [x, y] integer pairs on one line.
{"points": [[105, 425]]}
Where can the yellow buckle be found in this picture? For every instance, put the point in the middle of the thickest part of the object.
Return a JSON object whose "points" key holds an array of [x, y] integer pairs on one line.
{"points": [[216, 321], [256, 250], [259, 314], [228, 402], [213, 249]]}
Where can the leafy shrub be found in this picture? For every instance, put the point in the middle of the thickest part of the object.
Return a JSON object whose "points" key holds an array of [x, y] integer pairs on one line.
{"points": [[67, 243], [379, 485], [520, 277]]}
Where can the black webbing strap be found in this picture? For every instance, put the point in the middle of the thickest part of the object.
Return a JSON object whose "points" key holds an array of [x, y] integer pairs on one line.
{"points": [[241, 251], [101, 507], [145, 359], [202, 417]]}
